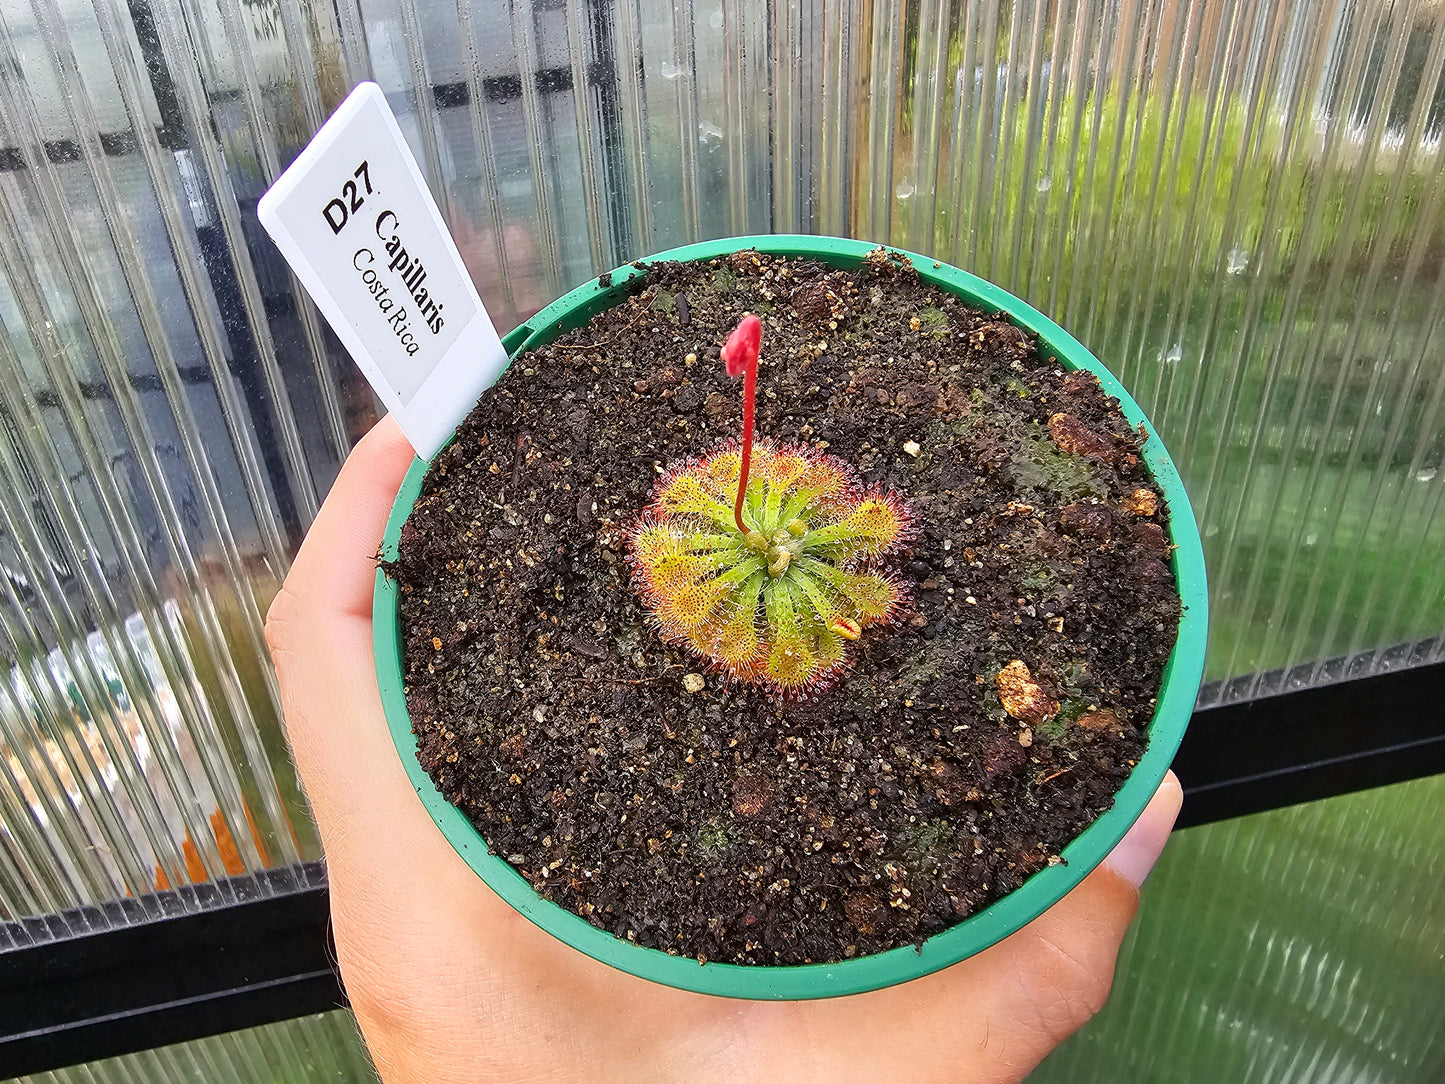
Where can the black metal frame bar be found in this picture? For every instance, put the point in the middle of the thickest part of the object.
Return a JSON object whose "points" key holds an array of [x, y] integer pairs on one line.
{"points": [[140, 973], [1311, 743], [206, 959]]}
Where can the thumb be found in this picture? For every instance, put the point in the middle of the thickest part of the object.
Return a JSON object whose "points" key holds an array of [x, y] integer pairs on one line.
{"points": [[1065, 958], [319, 632]]}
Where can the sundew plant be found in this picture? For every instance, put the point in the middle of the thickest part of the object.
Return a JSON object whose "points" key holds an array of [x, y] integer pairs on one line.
{"points": [[768, 560]]}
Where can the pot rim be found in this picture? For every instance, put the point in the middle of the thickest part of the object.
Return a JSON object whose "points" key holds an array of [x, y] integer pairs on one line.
{"points": [[1182, 675]]}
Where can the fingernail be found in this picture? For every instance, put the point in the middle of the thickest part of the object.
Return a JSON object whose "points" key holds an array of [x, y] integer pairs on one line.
{"points": [[1137, 852], [1140, 848]]}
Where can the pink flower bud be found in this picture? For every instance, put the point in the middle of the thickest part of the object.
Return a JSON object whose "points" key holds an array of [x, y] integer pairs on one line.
{"points": [[741, 349]]}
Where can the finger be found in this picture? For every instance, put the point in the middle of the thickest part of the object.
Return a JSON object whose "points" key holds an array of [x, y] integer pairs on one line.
{"points": [[319, 631], [1074, 946], [1140, 848], [334, 571]]}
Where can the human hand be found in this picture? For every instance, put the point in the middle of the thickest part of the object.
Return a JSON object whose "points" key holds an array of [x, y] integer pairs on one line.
{"points": [[450, 984]]}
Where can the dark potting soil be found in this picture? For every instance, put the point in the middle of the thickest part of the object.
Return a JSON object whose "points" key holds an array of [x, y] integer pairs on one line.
{"points": [[724, 823]]}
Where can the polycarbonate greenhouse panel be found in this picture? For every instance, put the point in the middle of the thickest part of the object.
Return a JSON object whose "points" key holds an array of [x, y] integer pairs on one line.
{"points": [[1237, 204]]}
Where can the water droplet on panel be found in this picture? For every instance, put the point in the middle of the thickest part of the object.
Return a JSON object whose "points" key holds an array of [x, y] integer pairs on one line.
{"points": [[1238, 261], [904, 190], [707, 132], [1426, 474], [670, 70], [1044, 184], [716, 20]]}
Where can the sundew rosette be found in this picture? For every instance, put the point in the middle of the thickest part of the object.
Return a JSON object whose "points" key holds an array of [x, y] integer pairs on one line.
{"points": [[778, 602], [767, 561]]}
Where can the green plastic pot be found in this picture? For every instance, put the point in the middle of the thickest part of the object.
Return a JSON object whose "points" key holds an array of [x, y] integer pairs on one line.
{"points": [[976, 933]]}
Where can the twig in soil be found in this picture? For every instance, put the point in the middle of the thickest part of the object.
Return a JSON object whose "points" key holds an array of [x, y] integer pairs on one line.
{"points": [[593, 345], [1052, 775], [519, 459]]}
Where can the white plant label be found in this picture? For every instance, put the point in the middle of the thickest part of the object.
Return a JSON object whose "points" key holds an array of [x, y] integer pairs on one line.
{"points": [[354, 219]]}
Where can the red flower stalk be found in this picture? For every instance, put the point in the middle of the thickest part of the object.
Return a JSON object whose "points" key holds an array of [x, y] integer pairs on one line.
{"points": [[741, 354]]}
